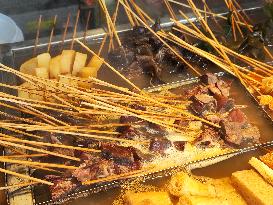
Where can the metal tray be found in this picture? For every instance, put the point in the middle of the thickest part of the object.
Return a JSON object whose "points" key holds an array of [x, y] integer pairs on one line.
{"points": [[20, 52], [242, 96]]}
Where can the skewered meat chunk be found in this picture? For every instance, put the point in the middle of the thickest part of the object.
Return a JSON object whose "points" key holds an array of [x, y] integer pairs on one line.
{"points": [[239, 134], [237, 131], [224, 104], [121, 155], [208, 138], [209, 79], [179, 145], [236, 115], [121, 57], [62, 186], [94, 169], [159, 145], [203, 103]]}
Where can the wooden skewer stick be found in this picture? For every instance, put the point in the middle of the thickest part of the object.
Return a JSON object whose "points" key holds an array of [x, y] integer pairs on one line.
{"points": [[145, 97], [135, 22], [86, 26], [143, 13], [102, 44], [13, 139], [24, 156], [138, 11], [75, 29], [17, 185], [51, 33], [200, 10], [166, 44], [110, 21], [38, 150], [24, 162], [37, 35], [115, 15], [25, 177], [65, 29], [24, 133], [268, 53], [119, 176], [108, 65], [171, 12]]}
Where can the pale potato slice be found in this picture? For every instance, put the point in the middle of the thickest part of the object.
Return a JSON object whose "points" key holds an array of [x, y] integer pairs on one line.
{"points": [[43, 60], [42, 72], [22, 93], [80, 61], [29, 66], [95, 62], [55, 67], [67, 60]]}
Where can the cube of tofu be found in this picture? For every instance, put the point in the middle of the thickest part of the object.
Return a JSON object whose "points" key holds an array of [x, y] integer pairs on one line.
{"points": [[200, 200], [79, 62], [183, 184], [85, 73], [43, 60], [95, 62], [148, 198], [29, 66], [55, 67], [67, 61], [22, 93], [36, 93]]}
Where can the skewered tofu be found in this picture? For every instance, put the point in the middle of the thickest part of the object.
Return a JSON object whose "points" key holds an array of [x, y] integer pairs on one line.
{"points": [[55, 67], [148, 198], [80, 60], [95, 62], [43, 60], [29, 66], [67, 60]]}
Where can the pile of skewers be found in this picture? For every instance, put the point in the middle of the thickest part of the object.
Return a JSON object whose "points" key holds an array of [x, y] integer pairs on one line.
{"points": [[78, 95]]}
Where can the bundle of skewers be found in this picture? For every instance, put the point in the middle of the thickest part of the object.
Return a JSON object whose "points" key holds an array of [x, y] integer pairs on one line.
{"points": [[101, 132]]}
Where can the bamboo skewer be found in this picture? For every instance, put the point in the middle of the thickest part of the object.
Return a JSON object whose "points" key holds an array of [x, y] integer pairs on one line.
{"points": [[171, 12], [30, 163], [51, 33], [108, 65], [166, 44], [130, 17], [37, 35], [24, 156], [24, 184], [65, 29], [75, 30], [25, 177], [86, 26], [13, 139], [38, 150]]}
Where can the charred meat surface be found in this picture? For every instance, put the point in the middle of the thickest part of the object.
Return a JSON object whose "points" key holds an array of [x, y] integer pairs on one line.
{"points": [[237, 131], [160, 145], [62, 186], [121, 155], [208, 138], [202, 103]]}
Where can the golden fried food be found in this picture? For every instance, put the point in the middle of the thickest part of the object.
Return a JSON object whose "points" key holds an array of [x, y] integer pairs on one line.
{"points": [[148, 198]]}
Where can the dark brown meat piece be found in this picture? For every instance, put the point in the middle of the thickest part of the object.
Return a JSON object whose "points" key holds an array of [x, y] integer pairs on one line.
{"points": [[209, 79], [239, 133], [203, 103], [94, 169], [179, 145], [236, 115], [208, 138], [149, 65], [224, 87], [121, 155], [128, 132], [62, 186], [121, 57], [224, 104], [159, 145]]}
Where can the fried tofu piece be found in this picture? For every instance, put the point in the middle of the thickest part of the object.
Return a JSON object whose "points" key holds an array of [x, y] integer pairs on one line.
{"points": [[148, 198]]}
